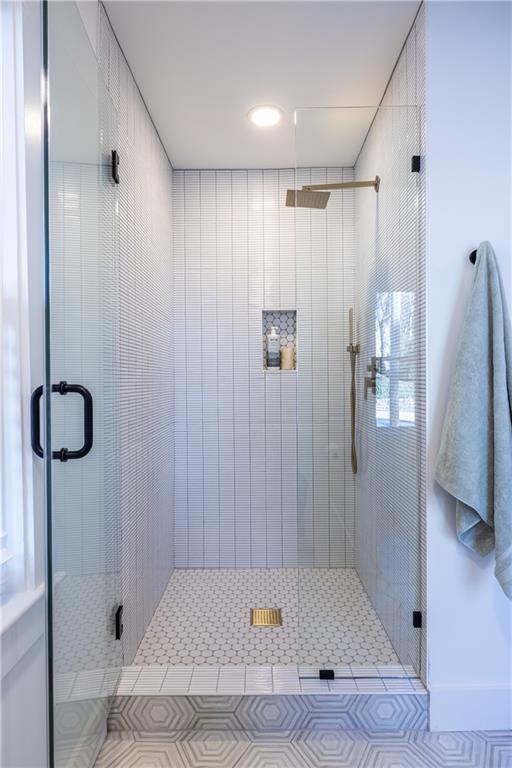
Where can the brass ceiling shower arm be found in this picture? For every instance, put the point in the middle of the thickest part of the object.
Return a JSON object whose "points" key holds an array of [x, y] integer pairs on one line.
{"points": [[375, 183], [317, 195]]}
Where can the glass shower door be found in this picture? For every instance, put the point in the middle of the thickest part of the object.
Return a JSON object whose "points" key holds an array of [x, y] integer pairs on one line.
{"points": [[359, 282], [81, 392]]}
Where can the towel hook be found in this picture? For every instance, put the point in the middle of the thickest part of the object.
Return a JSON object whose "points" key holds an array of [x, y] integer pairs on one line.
{"points": [[472, 257]]}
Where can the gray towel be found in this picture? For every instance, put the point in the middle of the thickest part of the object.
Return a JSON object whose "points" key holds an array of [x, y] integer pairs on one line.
{"points": [[475, 458]]}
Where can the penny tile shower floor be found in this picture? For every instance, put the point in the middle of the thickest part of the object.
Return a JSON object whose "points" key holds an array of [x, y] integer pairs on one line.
{"points": [[203, 619]]}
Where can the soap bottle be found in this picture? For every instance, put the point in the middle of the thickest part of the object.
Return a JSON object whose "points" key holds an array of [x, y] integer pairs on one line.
{"points": [[273, 348]]}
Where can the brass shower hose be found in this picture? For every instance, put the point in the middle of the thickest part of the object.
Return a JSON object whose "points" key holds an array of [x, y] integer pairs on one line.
{"points": [[353, 350]]}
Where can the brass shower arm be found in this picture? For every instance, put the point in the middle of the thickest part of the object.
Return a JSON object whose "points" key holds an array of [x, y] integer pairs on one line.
{"points": [[375, 183]]}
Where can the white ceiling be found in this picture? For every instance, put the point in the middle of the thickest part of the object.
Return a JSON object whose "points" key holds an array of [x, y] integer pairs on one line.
{"points": [[202, 65]]}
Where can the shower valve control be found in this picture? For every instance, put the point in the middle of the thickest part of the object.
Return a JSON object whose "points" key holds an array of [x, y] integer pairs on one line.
{"points": [[370, 382]]}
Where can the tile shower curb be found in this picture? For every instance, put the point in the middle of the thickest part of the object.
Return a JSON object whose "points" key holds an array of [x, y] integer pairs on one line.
{"points": [[233, 681], [260, 680], [381, 712]]}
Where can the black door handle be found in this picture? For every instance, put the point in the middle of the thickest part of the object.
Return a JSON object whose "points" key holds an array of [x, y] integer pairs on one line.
{"points": [[64, 454], [35, 435]]}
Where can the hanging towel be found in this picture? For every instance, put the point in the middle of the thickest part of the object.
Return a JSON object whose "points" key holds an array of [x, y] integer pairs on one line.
{"points": [[475, 458]]}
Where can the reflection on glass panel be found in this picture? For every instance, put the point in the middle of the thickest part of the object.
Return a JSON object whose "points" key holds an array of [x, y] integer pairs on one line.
{"points": [[84, 350], [395, 351]]}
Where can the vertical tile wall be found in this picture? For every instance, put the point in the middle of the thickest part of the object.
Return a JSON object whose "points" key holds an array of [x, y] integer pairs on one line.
{"points": [[390, 493], [146, 353], [236, 426], [83, 309], [325, 292]]}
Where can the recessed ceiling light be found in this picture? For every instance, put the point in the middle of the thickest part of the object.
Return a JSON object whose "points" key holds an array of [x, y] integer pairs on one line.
{"points": [[265, 117]]}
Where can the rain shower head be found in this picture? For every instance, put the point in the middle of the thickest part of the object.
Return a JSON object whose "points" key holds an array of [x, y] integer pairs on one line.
{"points": [[303, 198], [316, 196]]}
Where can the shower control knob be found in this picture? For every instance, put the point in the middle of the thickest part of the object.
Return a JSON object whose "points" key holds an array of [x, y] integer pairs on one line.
{"points": [[369, 383]]}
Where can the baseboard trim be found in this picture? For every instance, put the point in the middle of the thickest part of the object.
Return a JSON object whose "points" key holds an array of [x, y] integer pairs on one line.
{"points": [[470, 708]]}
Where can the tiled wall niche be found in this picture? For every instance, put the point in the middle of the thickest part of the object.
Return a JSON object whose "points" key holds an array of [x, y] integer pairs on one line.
{"points": [[238, 251], [285, 321]]}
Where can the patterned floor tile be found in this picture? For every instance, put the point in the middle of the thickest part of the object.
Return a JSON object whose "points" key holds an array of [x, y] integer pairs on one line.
{"points": [[136, 750], [336, 749], [115, 747], [463, 750], [308, 749], [269, 713], [275, 713], [273, 755], [390, 711], [151, 713], [337, 622], [396, 756], [215, 748], [498, 749]]}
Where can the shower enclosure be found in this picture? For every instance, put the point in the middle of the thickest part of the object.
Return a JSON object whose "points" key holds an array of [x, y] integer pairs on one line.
{"points": [[361, 257], [267, 511]]}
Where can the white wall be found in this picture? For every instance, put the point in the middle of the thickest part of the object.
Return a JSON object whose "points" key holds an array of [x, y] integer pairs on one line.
{"points": [[23, 697], [23, 742], [468, 200]]}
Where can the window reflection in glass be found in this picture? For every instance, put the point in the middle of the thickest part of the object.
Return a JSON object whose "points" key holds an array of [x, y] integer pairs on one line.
{"points": [[396, 356]]}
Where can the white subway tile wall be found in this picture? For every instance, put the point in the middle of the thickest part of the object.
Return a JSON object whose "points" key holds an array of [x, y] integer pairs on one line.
{"points": [[146, 352], [390, 488], [83, 313], [236, 427], [325, 249]]}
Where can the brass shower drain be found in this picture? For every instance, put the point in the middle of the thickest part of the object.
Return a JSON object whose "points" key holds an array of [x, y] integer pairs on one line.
{"points": [[266, 617]]}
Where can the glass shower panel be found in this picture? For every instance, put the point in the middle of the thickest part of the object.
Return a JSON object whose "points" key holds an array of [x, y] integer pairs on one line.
{"points": [[83, 366], [359, 295]]}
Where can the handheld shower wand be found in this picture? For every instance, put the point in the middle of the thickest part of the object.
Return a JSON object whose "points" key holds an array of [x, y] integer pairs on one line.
{"points": [[353, 350]]}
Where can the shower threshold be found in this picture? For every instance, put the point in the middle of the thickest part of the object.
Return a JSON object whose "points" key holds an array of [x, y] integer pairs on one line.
{"points": [[328, 623]]}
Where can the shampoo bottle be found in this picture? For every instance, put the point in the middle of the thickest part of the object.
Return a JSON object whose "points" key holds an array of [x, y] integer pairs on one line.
{"points": [[273, 348]]}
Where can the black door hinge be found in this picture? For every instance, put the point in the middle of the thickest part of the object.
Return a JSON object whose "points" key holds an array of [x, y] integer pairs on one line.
{"points": [[326, 674], [115, 165], [416, 163], [417, 619], [119, 622]]}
